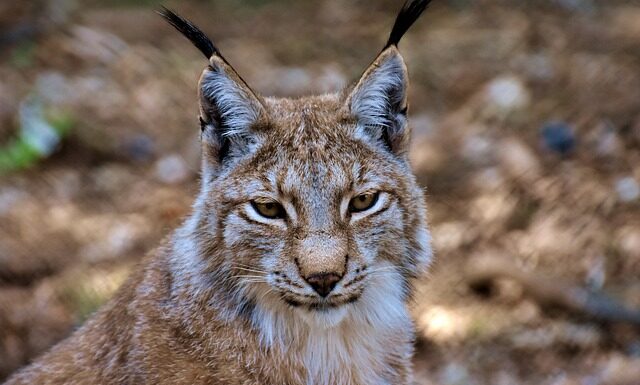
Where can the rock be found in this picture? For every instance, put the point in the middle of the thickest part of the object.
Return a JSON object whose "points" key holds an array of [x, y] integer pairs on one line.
{"points": [[607, 142], [508, 93], [628, 189], [456, 374], [479, 149], [518, 160], [172, 169], [627, 243], [558, 137]]}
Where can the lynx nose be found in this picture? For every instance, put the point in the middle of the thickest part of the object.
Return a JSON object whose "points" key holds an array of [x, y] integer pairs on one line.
{"points": [[323, 283]]}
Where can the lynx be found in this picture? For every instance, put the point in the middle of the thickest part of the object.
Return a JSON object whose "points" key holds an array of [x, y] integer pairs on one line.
{"points": [[297, 262]]}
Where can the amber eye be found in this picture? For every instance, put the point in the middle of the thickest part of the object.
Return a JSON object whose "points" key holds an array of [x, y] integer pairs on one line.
{"points": [[363, 202], [269, 209]]}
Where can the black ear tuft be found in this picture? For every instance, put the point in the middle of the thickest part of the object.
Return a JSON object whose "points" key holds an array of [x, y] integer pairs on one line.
{"points": [[191, 32], [410, 12]]}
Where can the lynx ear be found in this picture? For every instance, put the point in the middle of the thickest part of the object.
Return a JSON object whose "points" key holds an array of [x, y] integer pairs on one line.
{"points": [[379, 99], [228, 107], [228, 110]]}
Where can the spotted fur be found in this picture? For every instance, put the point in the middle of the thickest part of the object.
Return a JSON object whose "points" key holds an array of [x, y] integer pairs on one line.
{"points": [[228, 298]]}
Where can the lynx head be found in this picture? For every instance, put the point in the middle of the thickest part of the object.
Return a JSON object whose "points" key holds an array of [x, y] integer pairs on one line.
{"points": [[308, 206]]}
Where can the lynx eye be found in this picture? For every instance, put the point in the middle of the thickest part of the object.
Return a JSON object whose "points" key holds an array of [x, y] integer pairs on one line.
{"points": [[363, 202], [268, 209]]}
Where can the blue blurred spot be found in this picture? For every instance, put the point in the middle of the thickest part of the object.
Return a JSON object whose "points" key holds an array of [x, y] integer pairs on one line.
{"points": [[558, 137], [139, 148], [633, 349]]}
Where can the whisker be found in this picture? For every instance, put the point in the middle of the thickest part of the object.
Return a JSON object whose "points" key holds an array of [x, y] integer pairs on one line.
{"points": [[250, 276], [251, 270], [236, 264], [253, 279]]}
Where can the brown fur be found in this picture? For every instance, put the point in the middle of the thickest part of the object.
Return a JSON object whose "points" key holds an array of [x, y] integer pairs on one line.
{"points": [[226, 300]]}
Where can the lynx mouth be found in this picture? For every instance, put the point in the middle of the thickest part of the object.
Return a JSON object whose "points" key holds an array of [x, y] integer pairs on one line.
{"points": [[323, 305]]}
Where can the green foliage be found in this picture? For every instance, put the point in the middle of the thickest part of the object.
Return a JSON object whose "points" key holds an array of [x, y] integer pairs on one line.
{"points": [[22, 56], [62, 121], [21, 154]]}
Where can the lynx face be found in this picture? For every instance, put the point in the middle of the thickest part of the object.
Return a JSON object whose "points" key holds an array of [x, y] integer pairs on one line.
{"points": [[312, 200], [309, 204], [315, 214]]}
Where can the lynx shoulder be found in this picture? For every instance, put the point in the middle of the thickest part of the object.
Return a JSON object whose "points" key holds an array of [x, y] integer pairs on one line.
{"points": [[297, 262]]}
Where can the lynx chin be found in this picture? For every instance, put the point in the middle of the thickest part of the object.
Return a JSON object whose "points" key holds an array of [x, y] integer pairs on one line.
{"points": [[296, 264]]}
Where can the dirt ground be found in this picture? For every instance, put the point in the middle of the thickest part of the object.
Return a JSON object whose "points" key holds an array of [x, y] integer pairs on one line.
{"points": [[526, 118]]}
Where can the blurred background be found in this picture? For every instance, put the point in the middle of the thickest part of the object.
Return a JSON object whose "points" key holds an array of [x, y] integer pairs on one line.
{"points": [[526, 119]]}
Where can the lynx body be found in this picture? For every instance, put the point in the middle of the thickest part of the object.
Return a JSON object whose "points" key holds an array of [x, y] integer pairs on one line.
{"points": [[297, 262]]}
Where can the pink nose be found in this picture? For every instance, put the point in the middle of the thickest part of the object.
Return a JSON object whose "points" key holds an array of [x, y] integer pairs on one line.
{"points": [[323, 283]]}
